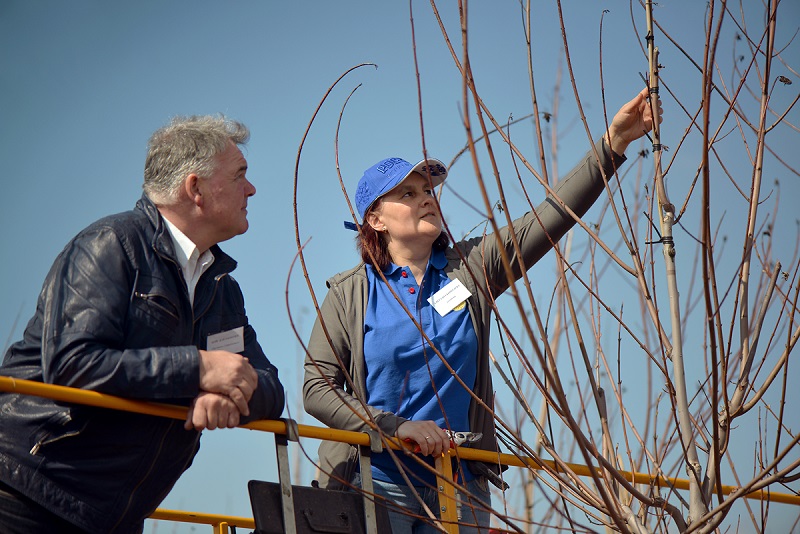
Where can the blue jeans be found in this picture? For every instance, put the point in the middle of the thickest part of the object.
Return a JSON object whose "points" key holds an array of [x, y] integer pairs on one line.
{"points": [[474, 517]]}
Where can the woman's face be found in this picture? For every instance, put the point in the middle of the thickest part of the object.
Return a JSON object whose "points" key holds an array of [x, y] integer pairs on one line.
{"points": [[408, 214]]}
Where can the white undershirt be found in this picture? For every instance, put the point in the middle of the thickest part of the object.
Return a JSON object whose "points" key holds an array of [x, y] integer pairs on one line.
{"points": [[193, 264]]}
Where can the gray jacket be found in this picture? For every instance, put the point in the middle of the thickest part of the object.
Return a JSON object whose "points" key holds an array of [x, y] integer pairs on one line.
{"points": [[334, 387]]}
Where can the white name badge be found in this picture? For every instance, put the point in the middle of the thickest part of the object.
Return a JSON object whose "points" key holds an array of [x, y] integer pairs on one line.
{"points": [[230, 340], [450, 297]]}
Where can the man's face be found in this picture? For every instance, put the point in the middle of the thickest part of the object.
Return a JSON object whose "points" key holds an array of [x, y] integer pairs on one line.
{"points": [[225, 194]]}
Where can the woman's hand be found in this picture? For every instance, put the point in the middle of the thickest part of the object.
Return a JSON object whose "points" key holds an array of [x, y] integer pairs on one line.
{"points": [[432, 440], [632, 121]]}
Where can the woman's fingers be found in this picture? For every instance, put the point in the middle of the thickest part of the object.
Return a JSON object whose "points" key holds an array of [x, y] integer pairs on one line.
{"points": [[430, 439]]}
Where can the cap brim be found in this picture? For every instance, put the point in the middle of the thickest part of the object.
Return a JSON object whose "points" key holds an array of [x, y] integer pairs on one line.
{"points": [[438, 176]]}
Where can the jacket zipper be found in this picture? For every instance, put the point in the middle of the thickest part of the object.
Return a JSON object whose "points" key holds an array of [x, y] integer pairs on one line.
{"points": [[195, 318], [47, 439], [44, 441], [217, 278], [154, 302]]}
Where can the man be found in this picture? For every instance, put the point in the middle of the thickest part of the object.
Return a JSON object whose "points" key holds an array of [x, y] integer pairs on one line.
{"points": [[141, 305]]}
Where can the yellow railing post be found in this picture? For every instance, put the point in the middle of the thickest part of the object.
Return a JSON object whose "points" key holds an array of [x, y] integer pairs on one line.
{"points": [[448, 508]]}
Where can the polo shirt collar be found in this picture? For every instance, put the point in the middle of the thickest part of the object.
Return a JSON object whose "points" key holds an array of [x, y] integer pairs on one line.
{"points": [[438, 260]]}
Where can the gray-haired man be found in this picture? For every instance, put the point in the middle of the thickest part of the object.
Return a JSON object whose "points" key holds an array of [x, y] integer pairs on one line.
{"points": [[140, 304]]}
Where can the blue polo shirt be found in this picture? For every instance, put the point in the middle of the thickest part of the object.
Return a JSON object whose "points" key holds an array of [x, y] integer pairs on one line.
{"points": [[403, 372]]}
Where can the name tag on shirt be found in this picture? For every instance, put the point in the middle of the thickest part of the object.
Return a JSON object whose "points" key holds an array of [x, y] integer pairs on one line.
{"points": [[450, 297], [230, 340]]}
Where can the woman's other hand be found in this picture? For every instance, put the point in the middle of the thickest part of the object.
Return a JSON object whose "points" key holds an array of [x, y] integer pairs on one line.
{"points": [[632, 121]]}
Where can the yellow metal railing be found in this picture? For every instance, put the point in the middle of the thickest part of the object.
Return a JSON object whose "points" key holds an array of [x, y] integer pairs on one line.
{"points": [[221, 523]]}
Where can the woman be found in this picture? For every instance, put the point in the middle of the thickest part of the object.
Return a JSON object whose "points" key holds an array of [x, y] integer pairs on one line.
{"points": [[369, 364]]}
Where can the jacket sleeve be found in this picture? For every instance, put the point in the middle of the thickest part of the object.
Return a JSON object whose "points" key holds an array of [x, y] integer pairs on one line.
{"points": [[538, 230], [268, 398], [326, 395], [84, 308]]}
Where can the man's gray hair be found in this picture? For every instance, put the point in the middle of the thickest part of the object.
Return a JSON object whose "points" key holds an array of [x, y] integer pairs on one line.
{"points": [[187, 145]]}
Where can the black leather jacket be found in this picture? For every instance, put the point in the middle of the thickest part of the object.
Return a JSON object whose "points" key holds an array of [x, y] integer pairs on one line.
{"points": [[114, 316]]}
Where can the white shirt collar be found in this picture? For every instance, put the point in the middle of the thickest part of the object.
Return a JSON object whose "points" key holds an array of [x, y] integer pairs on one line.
{"points": [[192, 263]]}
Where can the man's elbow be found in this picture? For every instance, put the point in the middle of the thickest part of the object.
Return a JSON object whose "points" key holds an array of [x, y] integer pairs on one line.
{"points": [[270, 400]]}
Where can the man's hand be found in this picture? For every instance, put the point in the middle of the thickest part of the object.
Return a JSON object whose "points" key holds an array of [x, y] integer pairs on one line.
{"points": [[432, 440], [229, 374], [210, 411], [632, 121]]}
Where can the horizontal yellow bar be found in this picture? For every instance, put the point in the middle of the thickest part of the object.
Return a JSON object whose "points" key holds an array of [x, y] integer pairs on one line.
{"points": [[204, 519], [638, 478], [93, 398]]}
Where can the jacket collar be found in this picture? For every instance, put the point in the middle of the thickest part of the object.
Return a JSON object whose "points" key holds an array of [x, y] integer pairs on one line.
{"points": [[162, 241]]}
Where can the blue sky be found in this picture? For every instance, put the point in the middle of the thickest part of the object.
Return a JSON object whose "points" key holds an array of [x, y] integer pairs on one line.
{"points": [[84, 83]]}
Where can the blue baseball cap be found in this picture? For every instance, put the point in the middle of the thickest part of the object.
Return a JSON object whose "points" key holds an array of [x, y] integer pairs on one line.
{"points": [[389, 173]]}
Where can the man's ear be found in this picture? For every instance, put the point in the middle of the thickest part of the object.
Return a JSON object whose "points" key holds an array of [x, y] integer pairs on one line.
{"points": [[191, 186]]}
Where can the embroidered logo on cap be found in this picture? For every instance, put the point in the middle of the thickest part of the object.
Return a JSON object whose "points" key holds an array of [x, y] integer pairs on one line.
{"points": [[434, 170], [363, 194], [388, 164]]}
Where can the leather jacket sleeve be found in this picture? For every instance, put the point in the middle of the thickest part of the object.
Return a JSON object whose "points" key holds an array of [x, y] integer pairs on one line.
{"points": [[98, 334], [108, 327], [268, 398]]}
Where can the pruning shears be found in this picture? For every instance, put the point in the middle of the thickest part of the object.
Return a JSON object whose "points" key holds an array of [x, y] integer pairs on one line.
{"points": [[463, 439], [457, 439]]}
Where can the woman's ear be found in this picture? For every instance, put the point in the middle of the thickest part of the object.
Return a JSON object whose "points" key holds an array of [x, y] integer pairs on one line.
{"points": [[374, 220]]}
